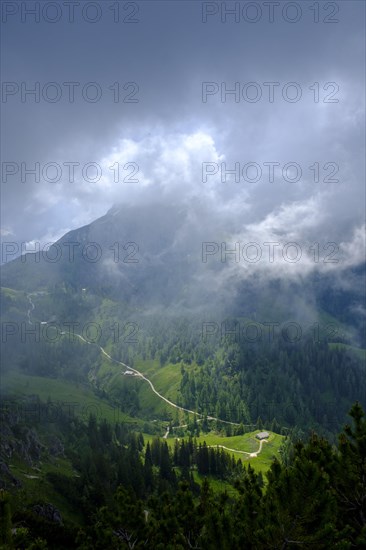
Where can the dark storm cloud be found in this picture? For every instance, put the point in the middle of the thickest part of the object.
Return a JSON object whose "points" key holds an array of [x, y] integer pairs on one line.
{"points": [[163, 61]]}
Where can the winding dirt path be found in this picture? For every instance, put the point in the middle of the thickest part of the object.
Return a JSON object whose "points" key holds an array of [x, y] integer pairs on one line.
{"points": [[30, 309], [242, 452], [143, 377]]}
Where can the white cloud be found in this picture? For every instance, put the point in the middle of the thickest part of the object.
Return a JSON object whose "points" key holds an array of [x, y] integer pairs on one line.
{"points": [[5, 232]]}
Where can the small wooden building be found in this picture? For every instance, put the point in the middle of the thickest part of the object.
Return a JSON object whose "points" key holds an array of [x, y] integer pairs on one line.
{"points": [[262, 435]]}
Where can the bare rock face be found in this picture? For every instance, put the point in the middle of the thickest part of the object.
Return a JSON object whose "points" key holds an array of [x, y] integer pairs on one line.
{"points": [[32, 448], [55, 446], [49, 512], [7, 479], [19, 440]]}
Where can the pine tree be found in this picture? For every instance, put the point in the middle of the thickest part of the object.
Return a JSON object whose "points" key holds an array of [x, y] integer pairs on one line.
{"points": [[148, 470], [298, 506], [5, 521], [350, 483]]}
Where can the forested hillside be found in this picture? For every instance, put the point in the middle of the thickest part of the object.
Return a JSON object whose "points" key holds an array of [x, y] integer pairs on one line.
{"points": [[116, 491], [204, 366]]}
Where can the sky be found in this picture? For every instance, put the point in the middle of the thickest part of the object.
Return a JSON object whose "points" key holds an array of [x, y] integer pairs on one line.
{"points": [[252, 110]]}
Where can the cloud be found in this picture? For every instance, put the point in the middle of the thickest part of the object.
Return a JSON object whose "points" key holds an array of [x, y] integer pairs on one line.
{"points": [[169, 164], [5, 232], [170, 132], [291, 236]]}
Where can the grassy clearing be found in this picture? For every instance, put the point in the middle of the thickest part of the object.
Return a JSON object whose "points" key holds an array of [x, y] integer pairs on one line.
{"points": [[77, 399], [246, 442], [166, 380], [360, 352], [217, 485], [36, 487]]}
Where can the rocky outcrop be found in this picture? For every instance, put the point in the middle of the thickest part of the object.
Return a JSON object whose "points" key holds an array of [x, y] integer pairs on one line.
{"points": [[49, 512], [17, 439], [55, 446], [7, 479]]}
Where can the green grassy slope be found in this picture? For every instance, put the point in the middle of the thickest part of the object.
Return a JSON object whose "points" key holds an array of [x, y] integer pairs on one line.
{"points": [[246, 442]]}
